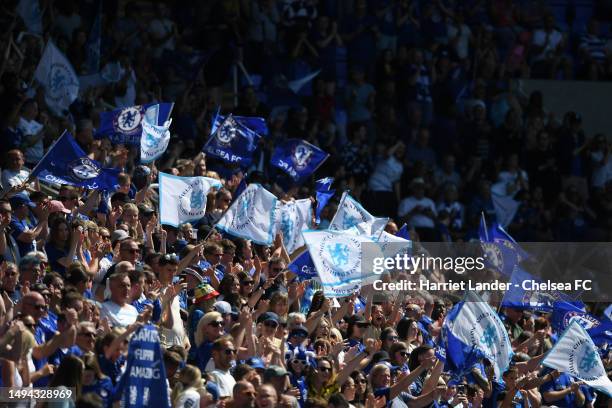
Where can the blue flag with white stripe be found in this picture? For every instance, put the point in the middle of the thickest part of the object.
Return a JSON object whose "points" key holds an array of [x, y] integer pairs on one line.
{"points": [[298, 158], [232, 142], [65, 163], [303, 267], [403, 232], [519, 298], [256, 124], [124, 125], [473, 330], [324, 184]]}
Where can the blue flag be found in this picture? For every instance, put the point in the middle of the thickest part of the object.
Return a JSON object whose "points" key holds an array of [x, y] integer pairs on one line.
{"points": [[501, 251], [124, 126], [323, 198], [92, 47], [298, 158], [67, 163], [403, 232], [518, 298], [324, 184], [232, 142], [303, 267], [144, 382], [256, 124], [564, 312], [241, 187]]}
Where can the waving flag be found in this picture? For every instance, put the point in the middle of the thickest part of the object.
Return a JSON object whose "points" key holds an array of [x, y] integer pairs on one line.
{"points": [[323, 198], [253, 215], [293, 218], [297, 84], [390, 244], [501, 251], [254, 123], [67, 163], [337, 257], [576, 355], [183, 199], [154, 140], [350, 213], [298, 158], [232, 142], [403, 232], [473, 330], [324, 184], [519, 298], [124, 126], [92, 47], [564, 312], [505, 208], [56, 75], [144, 383], [303, 267]]}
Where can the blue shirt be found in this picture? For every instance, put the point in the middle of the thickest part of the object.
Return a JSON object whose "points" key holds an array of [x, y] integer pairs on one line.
{"points": [[103, 388], [140, 306], [42, 334], [56, 358], [562, 382], [111, 369], [204, 354], [19, 226]]}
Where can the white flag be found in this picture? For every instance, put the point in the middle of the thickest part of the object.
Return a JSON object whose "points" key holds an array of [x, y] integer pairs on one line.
{"points": [[55, 74], [337, 257], [252, 216], [293, 218], [576, 354], [477, 325], [352, 214], [154, 140], [183, 199]]}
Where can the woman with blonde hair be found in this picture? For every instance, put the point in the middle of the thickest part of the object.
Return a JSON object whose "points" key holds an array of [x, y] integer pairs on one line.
{"points": [[186, 391], [279, 304], [130, 218]]}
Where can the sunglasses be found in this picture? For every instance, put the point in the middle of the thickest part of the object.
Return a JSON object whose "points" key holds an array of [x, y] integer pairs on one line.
{"points": [[229, 352], [363, 325], [361, 381], [393, 338], [324, 369], [270, 323], [88, 334], [247, 283], [39, 307], [404, 353], [298, 361], [217, 323]]}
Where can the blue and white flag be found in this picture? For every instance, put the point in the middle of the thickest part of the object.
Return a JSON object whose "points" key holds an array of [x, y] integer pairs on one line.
{"points": [[518, 298], [576, 355], [390, 244], [183, 199], [298, 158], [256, 124], [337, 257], [303, 267], [324, 184], [403, 232], [56, 75], [564, 312], [124, 126], [473, 330], [29, 11], [144, 382], [350, 213], [66, 163], [154, 140], [501, 251], [253, 215], [293, 218], [297, 84], [232, 142], [323, 198], [92, 47]]}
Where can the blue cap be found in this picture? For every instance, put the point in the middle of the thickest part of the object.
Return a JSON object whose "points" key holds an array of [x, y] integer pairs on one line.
{"points": [[255, 362], [268, 316], [20, 199]]}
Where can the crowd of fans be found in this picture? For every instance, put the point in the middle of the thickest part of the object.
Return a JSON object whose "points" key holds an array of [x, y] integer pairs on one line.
{"points": [[416, 106]]}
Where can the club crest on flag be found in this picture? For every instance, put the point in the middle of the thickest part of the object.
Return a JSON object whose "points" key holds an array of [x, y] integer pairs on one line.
{"points": [[60, 79], [286, 226], [583, 319], [191, 200], [337, 256], [493, 254], [84, 169], [302, 155], [128, 120], [583, 358], [227, 132]]}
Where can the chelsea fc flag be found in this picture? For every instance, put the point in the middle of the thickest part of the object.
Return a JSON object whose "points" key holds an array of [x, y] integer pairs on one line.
{"points": [[183, 199], [66, 163], [293, 218], [298, 158], [351, 214], [337, 257], [154, 140], [58, 78], [252, 216], [124, 125], [232, 142], [576, 354]]}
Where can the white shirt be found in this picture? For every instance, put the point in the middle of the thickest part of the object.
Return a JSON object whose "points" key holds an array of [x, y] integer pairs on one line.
{"points": [[417, 220], [539, 39], [225, 381], [176, 335], [387, 172], [118, 315], [190, 398], [462, 44]]}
